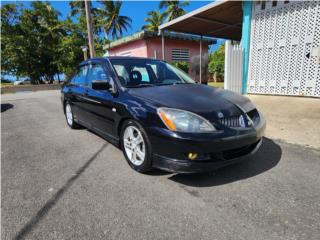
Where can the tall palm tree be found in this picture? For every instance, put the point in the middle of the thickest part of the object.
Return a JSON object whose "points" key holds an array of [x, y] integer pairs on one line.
{"points": [[111, 21], [154, 20], [174, 9], [77, 7]]}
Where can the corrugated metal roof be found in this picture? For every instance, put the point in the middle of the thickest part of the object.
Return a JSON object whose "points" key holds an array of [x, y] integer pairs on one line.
{"points": [[220, 19], [167, 35]]}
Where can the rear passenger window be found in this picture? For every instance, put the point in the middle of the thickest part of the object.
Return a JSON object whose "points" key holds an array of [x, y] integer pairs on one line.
{"points": [[80, 78]]}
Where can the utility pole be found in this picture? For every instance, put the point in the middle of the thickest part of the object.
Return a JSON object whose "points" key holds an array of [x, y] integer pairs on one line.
{"points": [[89, 28]]}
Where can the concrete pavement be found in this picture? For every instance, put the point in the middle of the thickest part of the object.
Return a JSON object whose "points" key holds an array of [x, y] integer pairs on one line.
{"points": [[291, 119], [59, 183]]}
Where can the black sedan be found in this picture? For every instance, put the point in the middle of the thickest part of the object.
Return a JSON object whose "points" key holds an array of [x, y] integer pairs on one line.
{"points": [[160, 117]]}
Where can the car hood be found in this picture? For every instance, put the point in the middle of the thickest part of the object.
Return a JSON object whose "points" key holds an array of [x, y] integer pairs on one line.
{"points": [[201, 99]]}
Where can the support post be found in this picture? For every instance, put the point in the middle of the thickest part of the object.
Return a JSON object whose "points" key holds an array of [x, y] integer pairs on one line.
{"points": [[89, 27], [200, 70], [162, 43], [245, 42]]}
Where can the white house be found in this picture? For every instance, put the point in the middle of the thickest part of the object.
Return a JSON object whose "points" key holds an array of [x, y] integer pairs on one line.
{"points": [[280, 43]]}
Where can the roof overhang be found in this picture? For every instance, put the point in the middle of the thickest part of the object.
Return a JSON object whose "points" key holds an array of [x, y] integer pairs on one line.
{"points": [[150, 34], [220, 19]]}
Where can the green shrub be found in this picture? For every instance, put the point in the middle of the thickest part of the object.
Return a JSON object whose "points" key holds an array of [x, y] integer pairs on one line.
{"points": [[216, 64], [184, 66]]}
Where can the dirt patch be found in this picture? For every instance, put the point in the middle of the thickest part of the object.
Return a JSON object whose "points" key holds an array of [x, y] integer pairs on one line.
{"points": [[25, 88]]}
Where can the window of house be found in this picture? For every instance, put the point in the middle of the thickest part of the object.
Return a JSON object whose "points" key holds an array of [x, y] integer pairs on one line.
{"points": [[180, 54]]}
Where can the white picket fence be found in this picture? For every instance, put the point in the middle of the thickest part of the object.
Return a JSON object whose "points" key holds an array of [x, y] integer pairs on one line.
{"points": [[233, 67]]}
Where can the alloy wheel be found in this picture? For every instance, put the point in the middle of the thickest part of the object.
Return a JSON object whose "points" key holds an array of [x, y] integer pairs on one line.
{"points": [[69, 114], [134, 145]]}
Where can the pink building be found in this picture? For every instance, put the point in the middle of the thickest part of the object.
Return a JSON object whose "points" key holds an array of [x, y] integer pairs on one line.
{"points": [[178, 47]]}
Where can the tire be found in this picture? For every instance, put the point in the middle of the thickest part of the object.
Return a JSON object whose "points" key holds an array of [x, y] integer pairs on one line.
{"points": [[69, 116], [140, 158]]}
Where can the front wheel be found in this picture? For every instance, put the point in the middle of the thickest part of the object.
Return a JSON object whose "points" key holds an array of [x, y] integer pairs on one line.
{"points": [[69, 116], [136, 146]]}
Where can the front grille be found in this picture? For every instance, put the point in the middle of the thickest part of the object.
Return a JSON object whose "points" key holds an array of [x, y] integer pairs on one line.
{"points": [[234, 153], [245, 120], [230, 121], [254, 116], [238, 152]]}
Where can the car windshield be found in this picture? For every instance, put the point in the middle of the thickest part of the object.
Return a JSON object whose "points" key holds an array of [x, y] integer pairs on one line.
{"points": [[148, 72]]}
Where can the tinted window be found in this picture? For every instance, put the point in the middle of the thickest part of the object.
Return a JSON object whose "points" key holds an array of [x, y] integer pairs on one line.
{"points": [[144, 73], [97, 73], [135, 72], [80, 77]]}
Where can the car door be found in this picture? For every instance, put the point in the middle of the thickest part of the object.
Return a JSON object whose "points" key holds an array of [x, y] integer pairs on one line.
{"points": [[77, 89], [101, 105]]}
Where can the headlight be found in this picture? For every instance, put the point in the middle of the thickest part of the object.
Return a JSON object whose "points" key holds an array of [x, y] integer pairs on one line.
{"points": [[184, 121]]}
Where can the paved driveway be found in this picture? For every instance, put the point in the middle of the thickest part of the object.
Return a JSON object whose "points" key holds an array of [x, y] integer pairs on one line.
{"points": [[59, 183]]}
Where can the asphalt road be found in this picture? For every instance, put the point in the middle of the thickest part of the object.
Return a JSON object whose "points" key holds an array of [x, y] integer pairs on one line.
{"points": [[59, 183]]}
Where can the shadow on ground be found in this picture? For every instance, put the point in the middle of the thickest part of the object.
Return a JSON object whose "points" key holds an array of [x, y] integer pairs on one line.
{"points": [[6, 106], [28, 227], [266, 158]]}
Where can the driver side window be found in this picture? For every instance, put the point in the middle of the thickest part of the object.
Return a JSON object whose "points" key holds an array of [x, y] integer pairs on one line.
{"points": [[80, 78], [97, 73]]}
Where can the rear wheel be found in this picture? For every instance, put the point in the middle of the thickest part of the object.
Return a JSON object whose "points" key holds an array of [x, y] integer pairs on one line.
{"points": [[136, 146], [69, 116]]}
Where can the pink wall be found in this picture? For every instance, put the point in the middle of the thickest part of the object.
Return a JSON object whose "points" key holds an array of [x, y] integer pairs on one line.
{"points": [[148, 47], [154, 44], [136, 48], [151, 47]]}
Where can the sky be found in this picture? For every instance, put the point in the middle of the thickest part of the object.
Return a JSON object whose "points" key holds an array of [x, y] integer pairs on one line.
{"points": [[137, 10]]}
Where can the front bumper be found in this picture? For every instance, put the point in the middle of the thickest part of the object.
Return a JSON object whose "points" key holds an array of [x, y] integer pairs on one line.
{"points": [[194, 166], [215, 150]]}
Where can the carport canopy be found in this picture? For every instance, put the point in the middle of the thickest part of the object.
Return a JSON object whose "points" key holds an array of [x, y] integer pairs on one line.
{"points": [[221, 19]]}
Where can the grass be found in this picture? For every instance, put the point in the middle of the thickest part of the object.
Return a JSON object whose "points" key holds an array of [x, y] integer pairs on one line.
{"points": [[216, 84], [6, 83]]}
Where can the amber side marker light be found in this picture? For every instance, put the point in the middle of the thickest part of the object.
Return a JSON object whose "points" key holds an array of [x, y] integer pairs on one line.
{"points": [[192, 156], [168, 121]]}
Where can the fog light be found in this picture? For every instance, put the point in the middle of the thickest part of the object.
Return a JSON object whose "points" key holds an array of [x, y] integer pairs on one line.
{"points": [[192, 156]]}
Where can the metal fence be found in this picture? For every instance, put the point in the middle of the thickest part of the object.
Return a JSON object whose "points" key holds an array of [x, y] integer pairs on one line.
{"points": [[233, 67]]}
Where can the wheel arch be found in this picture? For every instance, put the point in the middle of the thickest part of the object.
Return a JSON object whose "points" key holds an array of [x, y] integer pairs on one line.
{"points": [[120, 124]]}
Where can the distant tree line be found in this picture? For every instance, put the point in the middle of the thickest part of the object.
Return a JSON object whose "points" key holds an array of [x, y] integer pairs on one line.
{"points": [[36, 44]]}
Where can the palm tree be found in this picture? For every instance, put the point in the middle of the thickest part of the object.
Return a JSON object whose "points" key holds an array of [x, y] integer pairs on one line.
{"points": [[111, 21], [154, 20], [174, 9], [77, 7]]}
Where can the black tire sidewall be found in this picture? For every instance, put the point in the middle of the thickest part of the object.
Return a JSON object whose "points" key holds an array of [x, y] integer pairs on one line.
{"points": [[147, 163]]}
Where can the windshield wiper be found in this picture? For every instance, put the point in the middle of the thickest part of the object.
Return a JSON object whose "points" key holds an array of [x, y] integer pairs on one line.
{"points": [[162, 84], [141, 85]]}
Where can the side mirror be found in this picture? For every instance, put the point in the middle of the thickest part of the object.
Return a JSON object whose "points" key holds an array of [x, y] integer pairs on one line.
{"points": [[105, 85], [101, 85]]}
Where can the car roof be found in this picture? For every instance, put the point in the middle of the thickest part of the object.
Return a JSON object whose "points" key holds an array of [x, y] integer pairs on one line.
{"points": [[114, 57]]}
